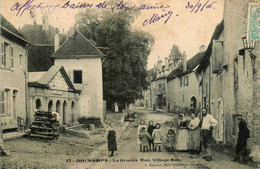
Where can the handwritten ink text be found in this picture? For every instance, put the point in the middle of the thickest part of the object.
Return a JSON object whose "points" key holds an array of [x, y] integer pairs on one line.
{"points": [[21, 8], [158, 17], [200, 6]]}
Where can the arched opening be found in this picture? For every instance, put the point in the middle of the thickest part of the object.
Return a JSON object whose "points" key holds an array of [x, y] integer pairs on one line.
{"points": [[193, 104], [50, 106], [58, 106], [64, 112], [38, 104], [72, 111]]}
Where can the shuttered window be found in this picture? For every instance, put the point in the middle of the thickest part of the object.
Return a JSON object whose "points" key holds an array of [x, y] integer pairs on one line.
{"points": [[12, 56], [2, 102]]}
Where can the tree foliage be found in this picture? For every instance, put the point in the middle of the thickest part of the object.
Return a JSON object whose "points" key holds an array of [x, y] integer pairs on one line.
{"points": [[176, 53], [124, 67]]}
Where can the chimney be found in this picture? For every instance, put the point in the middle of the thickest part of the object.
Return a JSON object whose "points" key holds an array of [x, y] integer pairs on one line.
{"points": [[56, 40], [166, 63], [184, 62], [45, 23], [154, 68], [159, 65], [202, 48]]}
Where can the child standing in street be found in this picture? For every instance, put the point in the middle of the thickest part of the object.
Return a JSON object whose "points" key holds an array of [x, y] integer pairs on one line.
{"points": [[144, 139], [171, 140], [157, 137]]}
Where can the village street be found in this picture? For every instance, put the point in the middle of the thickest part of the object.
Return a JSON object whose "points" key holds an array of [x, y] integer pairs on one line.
{"points": [[129, 157]]}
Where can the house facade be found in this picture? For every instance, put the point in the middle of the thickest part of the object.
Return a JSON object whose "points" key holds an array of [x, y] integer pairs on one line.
{"points": [[211, 85], [183, 85], [230, 76], [13, 75], [82, 62], [241, 81], [53, 91]]}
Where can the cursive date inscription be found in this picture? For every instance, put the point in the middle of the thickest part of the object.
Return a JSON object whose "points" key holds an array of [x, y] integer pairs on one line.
{"points": [[200, 6], [157, 17]]}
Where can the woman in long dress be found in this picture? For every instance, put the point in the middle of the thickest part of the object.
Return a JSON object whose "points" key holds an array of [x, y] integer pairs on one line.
{"points": [[183, 135], [111, 139]]}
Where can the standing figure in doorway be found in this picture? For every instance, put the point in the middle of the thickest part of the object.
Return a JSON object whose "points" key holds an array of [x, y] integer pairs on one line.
{"points": [[111, 139], [243, 135]]}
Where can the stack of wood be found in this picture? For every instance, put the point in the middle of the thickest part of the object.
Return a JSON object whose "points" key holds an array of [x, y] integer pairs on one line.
{"points": [[45, 125]]}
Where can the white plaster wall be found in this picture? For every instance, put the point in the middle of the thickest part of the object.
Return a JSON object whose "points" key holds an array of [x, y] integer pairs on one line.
{"points": [[91, 96], [14, 80]]}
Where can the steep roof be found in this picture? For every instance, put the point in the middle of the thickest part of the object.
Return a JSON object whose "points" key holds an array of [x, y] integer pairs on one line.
{"points": [[44, 78], [191, 65], [39, 58], [151, 73], [9, 28], [205, 60], [77, 46], [43, 36]]}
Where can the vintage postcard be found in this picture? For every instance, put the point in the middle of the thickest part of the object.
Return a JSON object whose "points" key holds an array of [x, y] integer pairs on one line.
{"points": [[130, 84]]}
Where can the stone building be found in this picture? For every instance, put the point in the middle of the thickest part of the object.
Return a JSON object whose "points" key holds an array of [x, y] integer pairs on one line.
{"points": [[147, 93], [82, 61], [53, 91], [159, 86], [13, 75], [231, 75], [241, 82], [211, 84], [183, 84]]}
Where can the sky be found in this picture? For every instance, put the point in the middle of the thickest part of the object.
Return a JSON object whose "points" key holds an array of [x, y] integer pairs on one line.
{"points": [[186, 23]]}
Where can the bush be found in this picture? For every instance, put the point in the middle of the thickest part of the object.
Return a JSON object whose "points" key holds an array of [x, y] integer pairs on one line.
{"points": [[90, 120]]}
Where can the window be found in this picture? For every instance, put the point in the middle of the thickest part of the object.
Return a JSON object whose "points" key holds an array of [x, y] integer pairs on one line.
{"points": [[21, 60], [4, 50], [180, 81], [186, 81], [182, 97], [164, 87], [2, 102], [77, 74], [12, 56]]}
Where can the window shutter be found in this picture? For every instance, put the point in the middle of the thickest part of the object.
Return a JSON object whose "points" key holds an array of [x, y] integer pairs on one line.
{"points": [[2, 107], [187, 80], [11, 56], [84, 76], [2, 53]]}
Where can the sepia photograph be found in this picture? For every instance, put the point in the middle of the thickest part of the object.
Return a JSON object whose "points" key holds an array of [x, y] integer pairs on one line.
{"points": [[130, 84]]}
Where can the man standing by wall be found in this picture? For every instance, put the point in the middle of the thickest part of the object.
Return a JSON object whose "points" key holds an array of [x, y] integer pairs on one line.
{"points": [[243, 135], [208, 123]]}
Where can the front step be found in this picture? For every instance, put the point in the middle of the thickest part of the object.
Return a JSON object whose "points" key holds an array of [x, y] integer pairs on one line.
{"points": [[13, 135]]}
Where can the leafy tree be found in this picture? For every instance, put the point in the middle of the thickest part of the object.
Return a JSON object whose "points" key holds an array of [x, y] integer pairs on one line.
{"points": [[124, 67], [175, 53]]}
